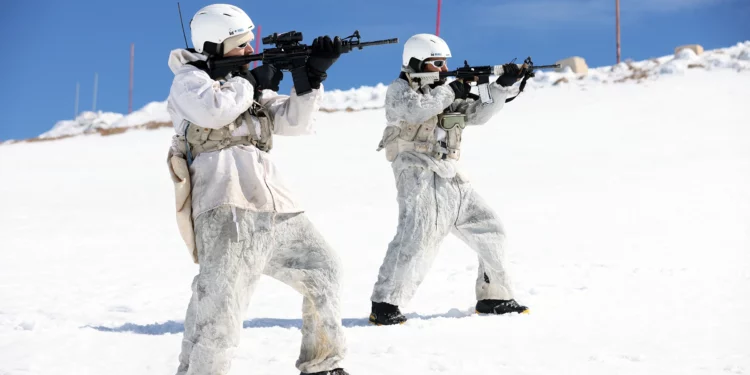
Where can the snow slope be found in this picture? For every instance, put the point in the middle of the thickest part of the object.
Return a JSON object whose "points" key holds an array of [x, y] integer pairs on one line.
{"points": [[735, 58], [627, 209]]}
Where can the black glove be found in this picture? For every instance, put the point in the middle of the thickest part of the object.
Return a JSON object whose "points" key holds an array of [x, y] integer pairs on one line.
{"points": [[264, 77], [324, 53], [461, 88], [511, 74]]}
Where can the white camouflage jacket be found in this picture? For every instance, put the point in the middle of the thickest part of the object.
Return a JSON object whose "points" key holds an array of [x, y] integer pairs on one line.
{"points": [[239, 176], [405, 105]]}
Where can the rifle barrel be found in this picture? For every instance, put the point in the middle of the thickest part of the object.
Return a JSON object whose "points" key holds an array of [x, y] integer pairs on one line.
{"points": [[546, 66], [361, 45]]}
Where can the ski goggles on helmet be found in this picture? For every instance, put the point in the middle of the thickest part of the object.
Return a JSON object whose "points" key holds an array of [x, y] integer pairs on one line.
{"points": [[436, 63]]}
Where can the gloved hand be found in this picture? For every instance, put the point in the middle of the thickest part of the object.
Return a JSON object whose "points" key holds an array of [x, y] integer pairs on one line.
{"points": [[461, 88], [264, 77], [511, 74], [324, 53]]}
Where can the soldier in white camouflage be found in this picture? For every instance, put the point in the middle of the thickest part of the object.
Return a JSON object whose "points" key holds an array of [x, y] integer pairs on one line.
{"points": [[422, 140]]}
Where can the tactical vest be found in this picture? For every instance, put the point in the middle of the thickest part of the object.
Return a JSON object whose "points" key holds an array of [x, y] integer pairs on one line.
{"points": [[421, 137], [259, 122]]}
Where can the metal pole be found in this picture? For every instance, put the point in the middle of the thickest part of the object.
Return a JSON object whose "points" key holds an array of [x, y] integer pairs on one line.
{"points": [[617, 22], [96, 83], [130, 92], [437, 25], [78, 89], [257, 45]]}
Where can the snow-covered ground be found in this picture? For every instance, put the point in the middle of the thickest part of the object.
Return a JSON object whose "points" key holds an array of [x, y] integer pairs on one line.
{"points": [[627, 209]]}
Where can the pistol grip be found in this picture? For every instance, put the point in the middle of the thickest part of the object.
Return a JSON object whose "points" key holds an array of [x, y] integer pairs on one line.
{"points": [[301, 83]]}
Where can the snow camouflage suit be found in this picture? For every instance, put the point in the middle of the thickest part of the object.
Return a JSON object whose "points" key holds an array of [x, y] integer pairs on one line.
{"points": [[436, 199], [247, 224]]}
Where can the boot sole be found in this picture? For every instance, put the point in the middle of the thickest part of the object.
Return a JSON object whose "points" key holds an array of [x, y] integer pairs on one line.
{"points": [[379, 324], [525, 312], [373, 323]]}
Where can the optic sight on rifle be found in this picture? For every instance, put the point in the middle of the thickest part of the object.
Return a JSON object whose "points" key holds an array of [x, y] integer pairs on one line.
{"points": [[290, 37]]}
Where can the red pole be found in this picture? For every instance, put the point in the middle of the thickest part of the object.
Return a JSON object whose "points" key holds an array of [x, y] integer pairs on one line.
{"points": [[130, 93], [617, 22], [257, 45], [437, 26]]}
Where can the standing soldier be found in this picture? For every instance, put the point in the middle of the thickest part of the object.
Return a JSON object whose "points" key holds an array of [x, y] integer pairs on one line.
{"points": [[240, 220], [423, 141]]}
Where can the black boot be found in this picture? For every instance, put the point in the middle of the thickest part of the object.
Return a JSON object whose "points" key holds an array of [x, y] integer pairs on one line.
{"points": [[384, 314], [338, 371], [500, 306]]}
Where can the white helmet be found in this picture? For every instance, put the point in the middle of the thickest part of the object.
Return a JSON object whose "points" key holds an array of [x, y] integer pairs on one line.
{"points": [[423, 46], [223, 26]]}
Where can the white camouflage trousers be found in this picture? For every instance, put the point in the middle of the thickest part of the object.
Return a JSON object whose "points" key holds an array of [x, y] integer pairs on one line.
{"points": [[234, 248], [431, 207]]}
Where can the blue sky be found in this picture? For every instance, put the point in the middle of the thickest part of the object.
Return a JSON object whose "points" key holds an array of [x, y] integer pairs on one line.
{"points": [[52, 45]]}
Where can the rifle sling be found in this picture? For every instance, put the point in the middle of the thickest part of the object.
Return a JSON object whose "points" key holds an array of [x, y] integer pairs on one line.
{"points": [[520, 88]]}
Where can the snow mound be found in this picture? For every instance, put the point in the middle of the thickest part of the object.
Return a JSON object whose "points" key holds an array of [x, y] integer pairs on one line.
{"points": [[153, 112], [85, 122], [736, 58], [365, 97]]}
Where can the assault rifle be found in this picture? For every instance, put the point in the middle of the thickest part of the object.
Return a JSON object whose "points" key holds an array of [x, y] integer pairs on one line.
{"points": [[288, 55], [483, 74]]}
